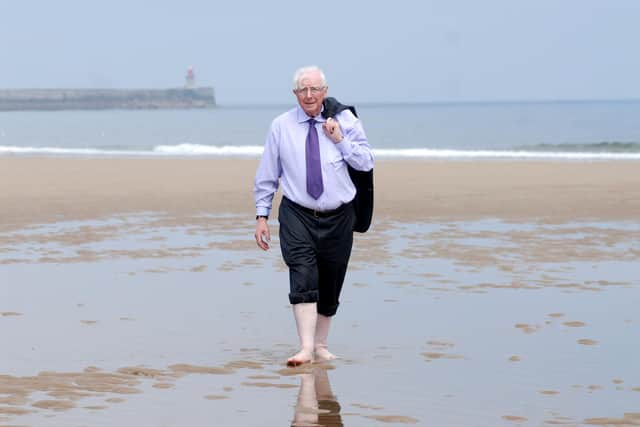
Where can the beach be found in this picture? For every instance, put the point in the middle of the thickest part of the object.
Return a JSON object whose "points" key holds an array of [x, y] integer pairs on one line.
{"points": [[48, 189], [485, 293]]}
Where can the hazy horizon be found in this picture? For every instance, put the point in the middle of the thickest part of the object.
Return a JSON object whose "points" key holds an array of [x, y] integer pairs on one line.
{"points": [[371, 103], [406, 52]]}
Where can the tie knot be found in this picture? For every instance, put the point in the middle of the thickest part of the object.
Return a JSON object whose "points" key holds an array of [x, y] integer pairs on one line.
{"points": [[312, 122]]}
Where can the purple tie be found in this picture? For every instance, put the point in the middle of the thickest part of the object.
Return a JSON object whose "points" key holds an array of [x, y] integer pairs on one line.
{"points": [[314, 172]]}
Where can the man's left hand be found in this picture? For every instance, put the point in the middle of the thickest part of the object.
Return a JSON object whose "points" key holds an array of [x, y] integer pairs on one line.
{"points": [[332, 129]]}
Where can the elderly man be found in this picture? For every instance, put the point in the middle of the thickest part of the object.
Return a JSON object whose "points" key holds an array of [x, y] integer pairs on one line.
{"points": [[316, 215]]}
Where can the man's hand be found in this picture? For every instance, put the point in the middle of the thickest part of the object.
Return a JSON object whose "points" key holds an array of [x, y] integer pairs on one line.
{"points": [[263, 236], [332, 129]]}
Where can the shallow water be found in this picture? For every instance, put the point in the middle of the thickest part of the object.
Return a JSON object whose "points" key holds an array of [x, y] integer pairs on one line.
{"points": [[511, 130], [461, 323]]}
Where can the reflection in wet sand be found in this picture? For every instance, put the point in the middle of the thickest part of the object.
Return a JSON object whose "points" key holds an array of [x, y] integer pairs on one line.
{"points": [[316, 404]]}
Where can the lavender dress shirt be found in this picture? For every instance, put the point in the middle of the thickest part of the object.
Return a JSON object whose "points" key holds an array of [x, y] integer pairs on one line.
{"points": [[283, 161]]}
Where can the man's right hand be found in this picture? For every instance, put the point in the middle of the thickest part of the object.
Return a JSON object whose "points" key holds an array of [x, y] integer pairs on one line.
{"points": [[263, 237]]}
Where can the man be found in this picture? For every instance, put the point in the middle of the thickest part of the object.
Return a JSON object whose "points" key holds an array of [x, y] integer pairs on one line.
{"points": [[316, 215]]}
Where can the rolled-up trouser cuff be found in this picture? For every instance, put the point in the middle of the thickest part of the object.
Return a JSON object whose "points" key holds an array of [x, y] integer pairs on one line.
{"points": [[327, 310], [302, 297]]}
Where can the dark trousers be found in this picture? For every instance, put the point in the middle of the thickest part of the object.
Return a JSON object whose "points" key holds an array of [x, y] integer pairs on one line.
{"points": [[316, 249]]}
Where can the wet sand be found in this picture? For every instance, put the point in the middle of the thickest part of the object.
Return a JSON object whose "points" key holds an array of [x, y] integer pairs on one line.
{"points": [[132, 291]]}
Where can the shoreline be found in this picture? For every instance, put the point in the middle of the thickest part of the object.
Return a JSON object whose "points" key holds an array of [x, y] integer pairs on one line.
{"points": [[44, 189]]}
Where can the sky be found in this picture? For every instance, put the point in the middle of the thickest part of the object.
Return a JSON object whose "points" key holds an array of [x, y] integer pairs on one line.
{"points": [[391, 51]]}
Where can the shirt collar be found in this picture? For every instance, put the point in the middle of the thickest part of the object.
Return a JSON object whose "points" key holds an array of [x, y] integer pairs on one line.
{"points": [[302, 117]]}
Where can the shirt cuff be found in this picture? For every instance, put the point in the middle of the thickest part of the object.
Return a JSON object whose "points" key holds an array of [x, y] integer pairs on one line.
{"points": [[262, 211]]}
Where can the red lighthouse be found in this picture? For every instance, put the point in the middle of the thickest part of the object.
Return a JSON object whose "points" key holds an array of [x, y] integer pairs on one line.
{"points": [[190, 79]]}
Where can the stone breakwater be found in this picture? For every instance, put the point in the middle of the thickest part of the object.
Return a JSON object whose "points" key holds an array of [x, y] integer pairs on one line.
{"points": [[102, 99]]}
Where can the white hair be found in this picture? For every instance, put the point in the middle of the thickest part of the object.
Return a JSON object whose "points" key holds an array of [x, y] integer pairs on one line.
{"points": [[300, 72]]}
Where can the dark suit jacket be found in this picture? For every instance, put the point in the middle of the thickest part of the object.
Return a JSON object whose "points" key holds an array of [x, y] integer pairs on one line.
{"points": [[363, 181]]}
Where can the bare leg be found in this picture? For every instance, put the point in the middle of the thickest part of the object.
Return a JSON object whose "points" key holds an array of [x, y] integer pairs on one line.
{"points": [[306, 318], [322, 334]]}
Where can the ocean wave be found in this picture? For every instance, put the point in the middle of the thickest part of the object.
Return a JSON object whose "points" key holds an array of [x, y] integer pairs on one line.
{"points": [[180, 150], [428, 153], [199, 150], [597, 147], [61, 151], [208, 150]]}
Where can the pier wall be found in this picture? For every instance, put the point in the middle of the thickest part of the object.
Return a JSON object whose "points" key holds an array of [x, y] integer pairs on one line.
{"points": [[101, 99]]}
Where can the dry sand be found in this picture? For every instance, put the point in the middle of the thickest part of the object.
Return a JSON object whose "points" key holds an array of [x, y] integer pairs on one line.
{"points": [[50, 189]]}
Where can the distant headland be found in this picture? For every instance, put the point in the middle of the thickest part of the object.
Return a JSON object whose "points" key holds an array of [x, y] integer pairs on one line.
{"points": [[188, 96]]}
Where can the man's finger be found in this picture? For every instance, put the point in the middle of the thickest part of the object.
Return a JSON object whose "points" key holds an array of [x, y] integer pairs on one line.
{"points": [[262, 245], [263, 240]]}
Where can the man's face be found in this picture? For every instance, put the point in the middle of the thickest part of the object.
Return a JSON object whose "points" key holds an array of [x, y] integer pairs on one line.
{"points": [[310, 93]]}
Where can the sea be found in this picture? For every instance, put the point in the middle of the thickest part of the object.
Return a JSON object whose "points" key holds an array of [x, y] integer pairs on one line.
{"points": [[558, 130]]}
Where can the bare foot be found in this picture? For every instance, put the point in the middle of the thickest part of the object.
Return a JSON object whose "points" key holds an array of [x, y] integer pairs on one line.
{"points": [[323, 354], [304, 356]]}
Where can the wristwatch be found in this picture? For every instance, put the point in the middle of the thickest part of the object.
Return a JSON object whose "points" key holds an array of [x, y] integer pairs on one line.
{"points": [[261, 216]]}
